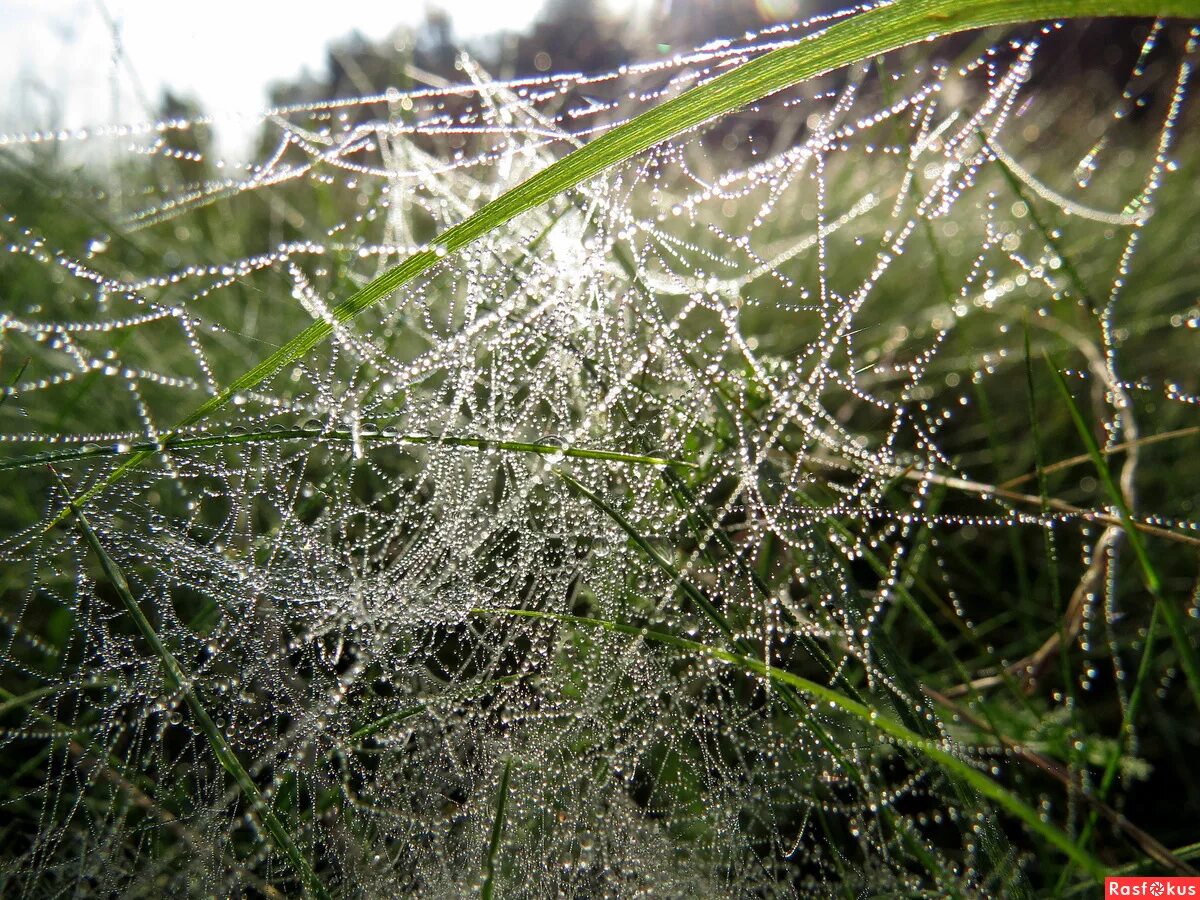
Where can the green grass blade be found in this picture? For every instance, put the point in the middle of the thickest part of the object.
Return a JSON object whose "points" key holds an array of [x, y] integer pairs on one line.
{"points": [[1171, 616], [12, 382], [493, 855], [378, 725], [1131, 709], [1149, 575], [17, 701], [880, 29], [790, 698], [145, 449], [180, 681], [662, 563], [861, 711], [1162, 606]]}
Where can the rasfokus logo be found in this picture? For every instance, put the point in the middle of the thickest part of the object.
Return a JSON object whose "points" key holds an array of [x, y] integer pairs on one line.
{"points": [[1150, 886]]}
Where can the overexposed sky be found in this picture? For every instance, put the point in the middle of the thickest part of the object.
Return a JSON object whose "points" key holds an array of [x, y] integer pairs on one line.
{"points": [[58, 67]]}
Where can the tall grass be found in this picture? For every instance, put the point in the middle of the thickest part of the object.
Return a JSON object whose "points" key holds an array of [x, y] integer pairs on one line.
{"points": [[685, 513]]}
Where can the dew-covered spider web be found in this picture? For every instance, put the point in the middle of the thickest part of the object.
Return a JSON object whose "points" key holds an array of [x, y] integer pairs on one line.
{"points": [[740, 390]]}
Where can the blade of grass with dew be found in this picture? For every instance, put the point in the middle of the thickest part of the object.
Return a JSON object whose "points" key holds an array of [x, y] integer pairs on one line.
{"points": [[878, 566], [1152, 847], [180, 681], [703, 524], [86, 451], [1162, 606], [1069, 462], [1051, 546], [877, 30], [913, 685], [373, 728], [1114, 760], [1171, 616], [861, 711], [489, 884]]}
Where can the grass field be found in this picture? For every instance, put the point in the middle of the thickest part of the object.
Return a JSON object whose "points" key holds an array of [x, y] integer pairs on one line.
{"points": [[805, 504]]}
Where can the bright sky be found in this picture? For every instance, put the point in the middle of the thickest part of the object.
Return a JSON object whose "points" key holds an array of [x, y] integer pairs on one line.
{"points": [[57, 63]]}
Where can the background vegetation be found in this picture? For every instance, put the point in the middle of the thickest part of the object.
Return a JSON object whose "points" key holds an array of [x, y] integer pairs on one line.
{"points": [[838, 456]]}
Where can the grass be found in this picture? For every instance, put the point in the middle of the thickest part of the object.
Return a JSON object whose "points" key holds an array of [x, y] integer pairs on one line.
{"points": [[368, 434], [1187, 657], [984, 785], [798, 585], [874, 32], [493, 855], [180, 682]]}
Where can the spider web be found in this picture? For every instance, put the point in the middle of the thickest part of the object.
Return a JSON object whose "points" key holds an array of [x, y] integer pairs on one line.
{"points": [[796, 301]]}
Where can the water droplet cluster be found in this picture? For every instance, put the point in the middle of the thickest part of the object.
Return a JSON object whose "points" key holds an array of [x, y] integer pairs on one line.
{"points": [[807, 302]]}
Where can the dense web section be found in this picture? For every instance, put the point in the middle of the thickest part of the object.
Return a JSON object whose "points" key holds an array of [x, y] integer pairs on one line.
{"points": [[726, 391]]}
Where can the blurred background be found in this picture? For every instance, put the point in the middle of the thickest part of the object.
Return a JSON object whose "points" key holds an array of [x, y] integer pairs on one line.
{"points": [[76, 63], [68, 64]]}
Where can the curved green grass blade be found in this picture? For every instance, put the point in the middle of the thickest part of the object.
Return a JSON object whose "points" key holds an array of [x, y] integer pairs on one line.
{"points": [[180, 681], [881, 29], [943, 758]]}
